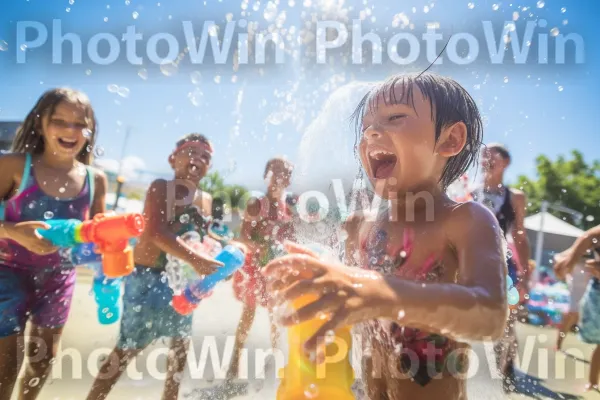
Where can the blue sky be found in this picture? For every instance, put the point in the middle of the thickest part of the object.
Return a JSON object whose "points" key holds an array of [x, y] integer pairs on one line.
{"points": [[534, 109]]}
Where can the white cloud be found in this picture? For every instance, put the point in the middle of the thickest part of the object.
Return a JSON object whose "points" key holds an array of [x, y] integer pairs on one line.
{"points": [[130, 170]]}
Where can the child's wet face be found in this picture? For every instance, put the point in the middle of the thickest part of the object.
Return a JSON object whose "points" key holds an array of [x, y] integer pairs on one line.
{"points": [[192, 161], [398, 144], [281, 175], [66, 130], [492, 162]]}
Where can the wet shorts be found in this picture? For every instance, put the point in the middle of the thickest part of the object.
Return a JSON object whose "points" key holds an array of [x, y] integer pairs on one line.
{"points": [[589, 320], [147, 311], [42, 294]]}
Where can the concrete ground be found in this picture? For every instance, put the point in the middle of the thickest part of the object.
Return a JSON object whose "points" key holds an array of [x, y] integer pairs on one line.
{"points": [[86, 343]]}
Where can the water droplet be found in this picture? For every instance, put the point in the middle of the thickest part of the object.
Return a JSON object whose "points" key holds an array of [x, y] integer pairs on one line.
{"points": [[329, 337], [425, 9], [565, 21], [86, 133], [61, 190], [311, 391], [471, 6], [34, 382], [123, 92], [113, 88], [213, 30], [560, 88], [105, 19], [563, 10], [541, 4], [495, 7], [71, 2], [589, 218], [143, 73], [127, 2], [270, 11], [554, 31], [137, 308], [169, 68], [135, 15], [23, 47], [401, 314], [99, 151], [196, 77], [109, 315], [511, 26], [3, 45], [196, 97], [217, 79], [68, 9], [400, 21], [184, 219], [506, 79], [253, 223], [48, 215]]}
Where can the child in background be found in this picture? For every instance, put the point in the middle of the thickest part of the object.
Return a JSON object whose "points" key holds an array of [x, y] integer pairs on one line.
{"points": [[171, 209], [589, 324], [267, 222], [48, 176], [438, 270]]}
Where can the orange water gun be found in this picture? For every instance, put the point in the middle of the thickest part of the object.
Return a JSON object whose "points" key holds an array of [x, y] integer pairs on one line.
{"points": [[110, 233], [302, 378]]}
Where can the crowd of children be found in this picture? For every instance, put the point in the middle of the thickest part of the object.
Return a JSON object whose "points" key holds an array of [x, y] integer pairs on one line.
{"points": [[433, 272]]}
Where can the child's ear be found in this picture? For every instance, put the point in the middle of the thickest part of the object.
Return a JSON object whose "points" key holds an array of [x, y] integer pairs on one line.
{"points": [[172, 161], [452, 140]]}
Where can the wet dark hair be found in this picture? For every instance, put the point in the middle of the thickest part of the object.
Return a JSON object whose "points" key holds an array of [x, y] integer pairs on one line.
{"points": [[450, 103], [29, 138], [193, 137], [274, 161], [500, 149]]}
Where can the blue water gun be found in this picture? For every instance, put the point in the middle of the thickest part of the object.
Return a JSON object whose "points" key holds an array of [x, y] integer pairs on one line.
{"points": [[107, 291], [231, 257]]}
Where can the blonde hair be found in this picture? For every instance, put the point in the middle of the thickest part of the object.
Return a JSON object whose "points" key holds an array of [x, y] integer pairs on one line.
{"points": [[29, 138]]}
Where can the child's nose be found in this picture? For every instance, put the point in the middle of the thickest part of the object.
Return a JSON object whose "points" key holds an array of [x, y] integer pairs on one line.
{"points": [[372, 132]]}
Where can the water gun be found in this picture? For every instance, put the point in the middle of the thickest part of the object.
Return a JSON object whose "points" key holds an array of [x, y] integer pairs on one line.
{"points": [[109, 232], [107, 292], [302, 379], [232, 259], [179, 273]]}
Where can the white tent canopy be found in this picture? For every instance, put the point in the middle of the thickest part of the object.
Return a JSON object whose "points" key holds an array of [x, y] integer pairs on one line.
{"points": [[552, 225]]}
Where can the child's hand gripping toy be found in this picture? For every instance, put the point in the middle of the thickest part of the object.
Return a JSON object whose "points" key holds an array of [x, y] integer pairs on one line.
{"points": [[109, 232], [107, 292], [179, 273], [186, 302], [303, 379]]}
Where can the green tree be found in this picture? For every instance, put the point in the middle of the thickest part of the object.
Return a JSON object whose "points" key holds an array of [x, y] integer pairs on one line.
{"points": [[570, 182], [223, 194]]}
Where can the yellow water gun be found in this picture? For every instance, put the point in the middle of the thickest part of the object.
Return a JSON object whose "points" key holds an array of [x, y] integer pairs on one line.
{"points": [[302, 378]]}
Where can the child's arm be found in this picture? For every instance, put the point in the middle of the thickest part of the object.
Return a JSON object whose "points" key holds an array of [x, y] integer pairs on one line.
{"points": [[473, 309], [565, 262], [99, 202], [518, 231], [156, 214], [23, 233]]}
